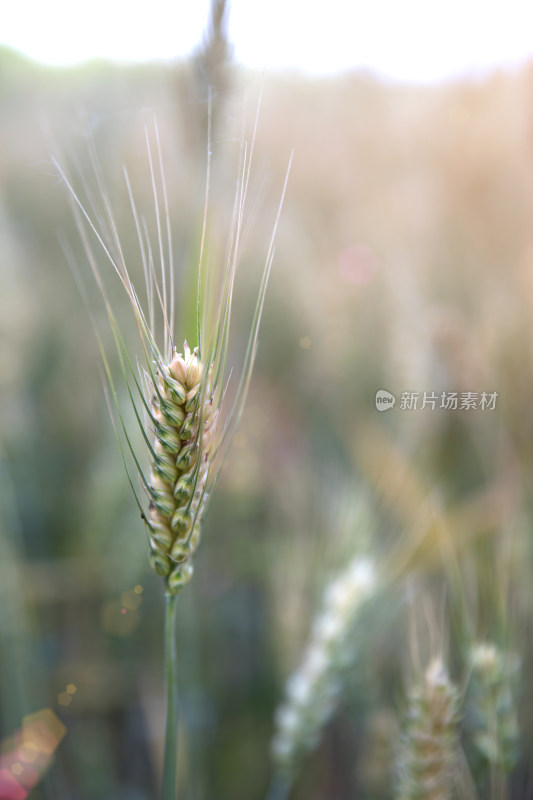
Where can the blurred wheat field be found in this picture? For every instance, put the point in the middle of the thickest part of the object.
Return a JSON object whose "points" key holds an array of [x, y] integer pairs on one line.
{"points": [[404, 262]]}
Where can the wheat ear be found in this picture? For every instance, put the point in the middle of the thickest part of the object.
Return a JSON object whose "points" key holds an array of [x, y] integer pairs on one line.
{"points": [[184, 424], [313, 691], [492, 694], [429, 748], [176, 398]]}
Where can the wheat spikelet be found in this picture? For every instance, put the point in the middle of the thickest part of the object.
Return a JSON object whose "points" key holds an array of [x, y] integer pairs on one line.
{"points": [[429, 748]]}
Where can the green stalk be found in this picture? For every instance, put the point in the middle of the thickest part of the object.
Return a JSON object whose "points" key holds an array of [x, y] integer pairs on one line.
{"points": [[171, 685]]}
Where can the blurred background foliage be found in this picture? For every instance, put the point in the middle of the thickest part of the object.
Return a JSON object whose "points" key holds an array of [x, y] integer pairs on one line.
{"points": [[404, 261]]}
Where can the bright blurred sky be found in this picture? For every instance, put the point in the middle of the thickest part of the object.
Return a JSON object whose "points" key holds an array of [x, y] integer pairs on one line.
{"points": [[412, 40]]}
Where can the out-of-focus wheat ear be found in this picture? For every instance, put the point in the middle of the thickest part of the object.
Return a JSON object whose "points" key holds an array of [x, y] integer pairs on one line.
{"points": [[427, 763], [492, 702], [313, 691]]}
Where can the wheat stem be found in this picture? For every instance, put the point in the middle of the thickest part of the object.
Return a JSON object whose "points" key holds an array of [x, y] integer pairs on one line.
{"points": [[172, 692]]}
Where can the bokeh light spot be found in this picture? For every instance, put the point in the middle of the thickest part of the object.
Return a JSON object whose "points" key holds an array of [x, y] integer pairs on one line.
{"points": [[43, 730], [116, 621], [138, 589], [64, 699], [305, 342], [72, 688], [10, 788], [28, 752], [130, 600]]}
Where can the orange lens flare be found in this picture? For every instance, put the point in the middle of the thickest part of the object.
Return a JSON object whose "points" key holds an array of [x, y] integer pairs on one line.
{"points": [[27, 754]]}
